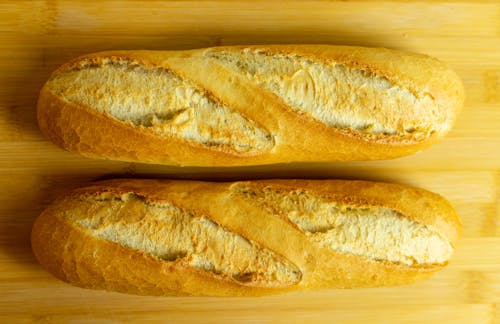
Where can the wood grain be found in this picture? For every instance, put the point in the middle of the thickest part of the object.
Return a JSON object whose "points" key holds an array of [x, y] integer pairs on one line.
{"points": [[37, 36]]}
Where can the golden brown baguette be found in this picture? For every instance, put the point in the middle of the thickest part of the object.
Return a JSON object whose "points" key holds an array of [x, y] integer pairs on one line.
{"points": [[249, 105], [158, 237]]}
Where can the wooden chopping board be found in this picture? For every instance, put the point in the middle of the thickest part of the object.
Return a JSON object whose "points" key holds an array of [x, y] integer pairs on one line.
{"points": [[37, 36]]}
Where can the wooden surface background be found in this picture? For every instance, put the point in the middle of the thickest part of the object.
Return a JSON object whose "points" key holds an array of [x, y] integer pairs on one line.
{"points": [[37, 36]]}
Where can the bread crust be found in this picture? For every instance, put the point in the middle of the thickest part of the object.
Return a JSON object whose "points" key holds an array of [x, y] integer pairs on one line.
{"points": [[296, 135], [75, 256]]}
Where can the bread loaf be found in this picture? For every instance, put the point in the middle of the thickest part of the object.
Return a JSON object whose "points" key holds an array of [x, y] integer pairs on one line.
{"points": [[250, 105], [158, 237]]}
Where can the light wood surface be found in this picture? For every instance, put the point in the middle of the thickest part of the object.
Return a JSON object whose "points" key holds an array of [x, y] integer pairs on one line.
{"points": [[37, 36]]}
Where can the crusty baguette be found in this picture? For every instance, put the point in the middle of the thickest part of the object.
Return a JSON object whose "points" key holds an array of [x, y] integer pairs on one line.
{"points": [[159, 237], [249, 105]]}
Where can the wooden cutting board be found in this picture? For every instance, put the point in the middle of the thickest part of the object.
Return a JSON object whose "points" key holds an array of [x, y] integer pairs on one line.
{"points": [[37, 36]]}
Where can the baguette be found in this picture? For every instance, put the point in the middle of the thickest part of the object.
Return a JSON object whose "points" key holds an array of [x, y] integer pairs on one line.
{"points": [[188, 238], [250, 105]]}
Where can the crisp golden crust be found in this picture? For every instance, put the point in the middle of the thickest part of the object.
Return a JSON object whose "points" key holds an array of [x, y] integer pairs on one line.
{"points": [[87, 262], [75, 256], [417, 71], [295, 135]]}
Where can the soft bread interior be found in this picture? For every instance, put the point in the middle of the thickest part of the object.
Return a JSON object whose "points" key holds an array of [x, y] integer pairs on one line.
{"points": [[173, 234], [159, 100], [376, 233], [337, 95]]}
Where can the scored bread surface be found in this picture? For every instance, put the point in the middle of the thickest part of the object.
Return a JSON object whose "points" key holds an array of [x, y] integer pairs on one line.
{"points": [[250, 105], [244, 238], [377, 233], [337, 95], [168, 105], [170, 233]]}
